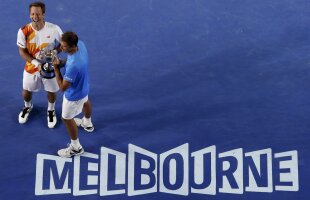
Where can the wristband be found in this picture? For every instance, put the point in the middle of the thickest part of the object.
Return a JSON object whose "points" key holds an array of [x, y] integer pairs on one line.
{"points": [[35, 62]]}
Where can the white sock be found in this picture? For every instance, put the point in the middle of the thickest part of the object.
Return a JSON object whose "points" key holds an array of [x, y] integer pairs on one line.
{"points": [[51, 106], [27, 103], [87, 121], [75, 143]]}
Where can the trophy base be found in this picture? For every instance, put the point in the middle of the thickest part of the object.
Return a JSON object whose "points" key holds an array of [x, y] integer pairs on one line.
{"points": [[47, 71], [47, 74]]}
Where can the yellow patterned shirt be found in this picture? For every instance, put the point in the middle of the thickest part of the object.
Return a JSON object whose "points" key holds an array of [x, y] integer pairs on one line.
{"points": [[47, 38]]}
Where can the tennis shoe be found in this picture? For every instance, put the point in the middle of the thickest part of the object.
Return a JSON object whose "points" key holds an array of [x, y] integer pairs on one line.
{"points": [[89, 127], [24, 114], [70, 151]]}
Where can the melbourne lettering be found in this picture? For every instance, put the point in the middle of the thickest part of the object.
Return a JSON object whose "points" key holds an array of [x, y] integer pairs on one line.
{"points": [[177, 171]]}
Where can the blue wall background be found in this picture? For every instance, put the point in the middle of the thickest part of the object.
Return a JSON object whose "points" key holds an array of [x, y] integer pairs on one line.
{"points": [[167, 72]]}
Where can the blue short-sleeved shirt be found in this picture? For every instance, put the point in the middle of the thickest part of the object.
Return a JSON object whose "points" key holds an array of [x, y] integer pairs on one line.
{"points": [[77, 74]]}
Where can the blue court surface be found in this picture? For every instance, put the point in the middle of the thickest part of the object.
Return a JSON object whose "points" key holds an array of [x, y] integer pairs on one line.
{"points": [[192, 99]]}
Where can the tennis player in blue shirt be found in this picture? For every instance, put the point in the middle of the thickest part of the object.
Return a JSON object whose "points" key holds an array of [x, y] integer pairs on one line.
{"points": [[75, 86]]}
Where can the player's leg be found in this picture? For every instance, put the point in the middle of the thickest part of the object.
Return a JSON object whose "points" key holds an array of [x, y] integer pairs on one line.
{"points": [[51, 87], [71, 128], [87, 109], [51, 114], [27, 95], [69, 110], [74, 148], [86, 122], [31, 83]]}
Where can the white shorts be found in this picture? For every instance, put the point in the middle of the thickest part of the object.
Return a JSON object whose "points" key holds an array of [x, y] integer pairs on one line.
{"points": [[33, 82], [70, 109]]}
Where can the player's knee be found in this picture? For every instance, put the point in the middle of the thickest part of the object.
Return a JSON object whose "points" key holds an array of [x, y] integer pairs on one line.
{"points": [[27, 95], [51, 96]]}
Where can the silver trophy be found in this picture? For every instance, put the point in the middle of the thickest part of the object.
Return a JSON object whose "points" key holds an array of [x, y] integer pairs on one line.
{"points": [[47, 68]]}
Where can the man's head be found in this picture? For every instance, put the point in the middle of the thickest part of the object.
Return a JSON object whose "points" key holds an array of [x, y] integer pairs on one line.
{"points": [[69, 42], [37, 11]]}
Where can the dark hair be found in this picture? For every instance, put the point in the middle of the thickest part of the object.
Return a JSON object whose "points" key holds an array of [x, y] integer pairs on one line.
{"points": [[38, 4], [70, 38]]}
